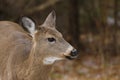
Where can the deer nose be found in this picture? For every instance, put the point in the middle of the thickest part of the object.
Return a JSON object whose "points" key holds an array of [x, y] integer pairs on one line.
{"points": [[74, 52]]}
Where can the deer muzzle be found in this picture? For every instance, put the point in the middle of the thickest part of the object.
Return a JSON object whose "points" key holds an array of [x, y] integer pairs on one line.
{"points": [[73, 54]]}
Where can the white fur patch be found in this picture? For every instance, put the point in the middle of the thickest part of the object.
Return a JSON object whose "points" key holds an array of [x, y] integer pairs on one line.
{"points": [[29, 24], [51, 60], [32, 30], [70, 48]]}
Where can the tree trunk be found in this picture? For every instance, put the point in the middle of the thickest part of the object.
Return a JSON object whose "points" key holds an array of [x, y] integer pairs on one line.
{"points": [[115, 27], [74, 29]]}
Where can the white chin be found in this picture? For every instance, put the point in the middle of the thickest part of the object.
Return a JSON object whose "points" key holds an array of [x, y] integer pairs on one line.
{"points": [[51, 60]]}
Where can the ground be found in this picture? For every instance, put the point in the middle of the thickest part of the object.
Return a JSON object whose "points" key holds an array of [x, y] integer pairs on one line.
{"points": [[88, 67]]}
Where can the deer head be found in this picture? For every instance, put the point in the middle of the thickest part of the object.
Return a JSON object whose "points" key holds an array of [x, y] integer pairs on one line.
{"points": [[48, 43]]}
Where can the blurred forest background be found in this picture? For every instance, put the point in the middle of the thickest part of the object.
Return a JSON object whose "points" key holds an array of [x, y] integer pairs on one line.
{"points": [[92, 26]]}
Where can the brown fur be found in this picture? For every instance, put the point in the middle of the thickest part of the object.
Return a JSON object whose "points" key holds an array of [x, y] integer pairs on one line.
{"points": [[14, 51], [16, 62]]}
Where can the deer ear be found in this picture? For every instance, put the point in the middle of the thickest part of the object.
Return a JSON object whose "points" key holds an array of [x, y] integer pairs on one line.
{"points": [[50, 20], [29, 25]]}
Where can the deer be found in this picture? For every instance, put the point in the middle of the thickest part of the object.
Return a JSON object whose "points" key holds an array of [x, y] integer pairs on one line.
{"points": [[30, 55]]}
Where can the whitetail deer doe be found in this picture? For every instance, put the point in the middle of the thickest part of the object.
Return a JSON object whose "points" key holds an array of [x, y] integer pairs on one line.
{"points": [[29, 56]]}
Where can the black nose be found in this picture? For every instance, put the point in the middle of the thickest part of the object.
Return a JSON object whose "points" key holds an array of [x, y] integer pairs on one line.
{"points": [[74, 52]]}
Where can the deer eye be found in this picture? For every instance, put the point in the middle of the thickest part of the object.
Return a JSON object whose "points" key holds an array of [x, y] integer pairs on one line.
{"points": [[51, 39]]}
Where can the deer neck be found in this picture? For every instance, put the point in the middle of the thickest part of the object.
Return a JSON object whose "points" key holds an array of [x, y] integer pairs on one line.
{"points": [[37, 70]]}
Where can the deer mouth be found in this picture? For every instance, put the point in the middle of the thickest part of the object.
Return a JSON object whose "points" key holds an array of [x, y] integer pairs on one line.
{"points": [[71, 57]]}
